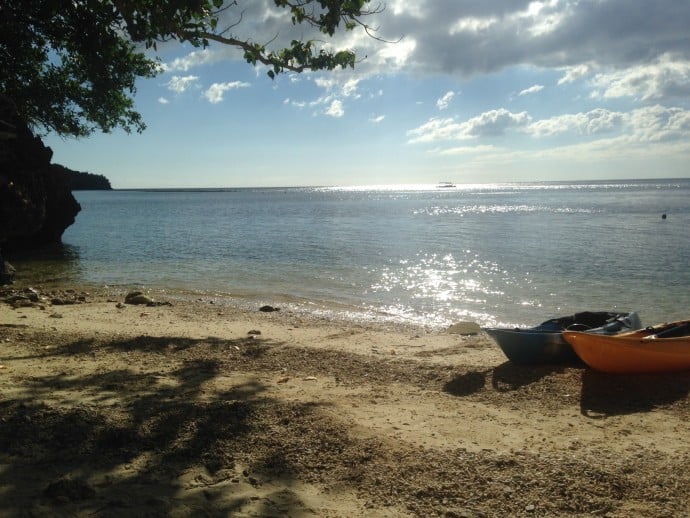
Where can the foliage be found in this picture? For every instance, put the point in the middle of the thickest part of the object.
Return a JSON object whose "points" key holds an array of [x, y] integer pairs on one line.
{"points": [[70, 66], [81, 180]]}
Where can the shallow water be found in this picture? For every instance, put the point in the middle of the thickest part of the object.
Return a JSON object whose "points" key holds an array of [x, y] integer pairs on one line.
{"points": [[510, 254]]}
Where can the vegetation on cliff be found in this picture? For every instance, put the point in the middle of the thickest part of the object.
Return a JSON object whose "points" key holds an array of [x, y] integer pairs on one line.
{"points": [[81, 181]]}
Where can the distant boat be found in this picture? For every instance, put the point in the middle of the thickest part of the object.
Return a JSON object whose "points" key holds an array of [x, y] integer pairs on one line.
{"points": [[661, 348], [445, 185], [545, 344]]}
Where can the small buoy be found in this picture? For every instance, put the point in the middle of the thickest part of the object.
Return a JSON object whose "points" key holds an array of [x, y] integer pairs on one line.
{"points": [[663, 216]]}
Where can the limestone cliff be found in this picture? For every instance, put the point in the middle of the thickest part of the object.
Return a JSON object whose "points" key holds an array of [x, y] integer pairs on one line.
{"points": [[36, 206]]}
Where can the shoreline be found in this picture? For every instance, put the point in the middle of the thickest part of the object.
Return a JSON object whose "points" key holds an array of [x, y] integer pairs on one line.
{"points": [[311, 309], [198, 407]]}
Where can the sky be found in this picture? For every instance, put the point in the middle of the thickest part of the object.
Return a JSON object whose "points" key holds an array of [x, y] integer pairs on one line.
{"points": [[467, 91]]}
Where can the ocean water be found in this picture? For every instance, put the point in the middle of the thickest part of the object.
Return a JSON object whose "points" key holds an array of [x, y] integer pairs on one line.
{"points": [[508, 254]]}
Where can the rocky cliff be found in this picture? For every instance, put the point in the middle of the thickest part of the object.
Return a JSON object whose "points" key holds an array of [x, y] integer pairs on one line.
{"points": [[36, 205]]}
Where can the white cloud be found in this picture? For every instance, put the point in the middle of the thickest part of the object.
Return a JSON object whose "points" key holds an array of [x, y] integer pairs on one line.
{"points": [[445, 100], [337, 87], [180, 84], [216, 91], [531, 90], [414, 9], [489, 124], [347, 87], [194, 59], [542, 18], [648, 124], [326, 82], [495, 122], [467, 150], [472, 25], [350, 88], [666, 77], [377, 119], [436, 129], [572, 74], [658, 123], [163, 100], [593, 122], [392, 56], [296, 104], [335, 109]]}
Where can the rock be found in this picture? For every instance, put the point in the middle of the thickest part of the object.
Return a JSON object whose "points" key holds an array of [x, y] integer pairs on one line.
{"points": [[7, 272], [464, 328], [36, 205], [254, 332], [137, 297], [268, 309], [57, 301], [21, 302]]}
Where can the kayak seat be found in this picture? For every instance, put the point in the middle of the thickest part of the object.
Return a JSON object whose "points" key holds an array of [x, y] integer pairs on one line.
{"points": [[674, 332]]}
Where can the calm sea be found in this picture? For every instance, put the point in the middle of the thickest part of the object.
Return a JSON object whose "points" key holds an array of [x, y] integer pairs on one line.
{"points": [[510, 254]]}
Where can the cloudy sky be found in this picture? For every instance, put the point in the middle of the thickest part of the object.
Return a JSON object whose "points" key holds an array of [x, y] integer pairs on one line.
{"points": [[474, 91]]}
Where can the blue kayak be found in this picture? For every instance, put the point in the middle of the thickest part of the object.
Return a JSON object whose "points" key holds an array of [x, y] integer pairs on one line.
{"points": [[545, 344]]}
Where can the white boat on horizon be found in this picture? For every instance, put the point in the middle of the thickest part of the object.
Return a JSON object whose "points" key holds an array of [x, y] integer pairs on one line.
{"points": [[445, 185]]}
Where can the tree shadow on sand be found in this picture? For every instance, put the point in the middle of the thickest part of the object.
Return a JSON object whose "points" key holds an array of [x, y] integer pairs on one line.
{"points": [[605, 395], [134, 454], [510, 376], [506, 377], [466, 384]]}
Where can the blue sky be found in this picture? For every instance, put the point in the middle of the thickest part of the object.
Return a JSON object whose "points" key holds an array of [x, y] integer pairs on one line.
{"points": [[476, 91]]}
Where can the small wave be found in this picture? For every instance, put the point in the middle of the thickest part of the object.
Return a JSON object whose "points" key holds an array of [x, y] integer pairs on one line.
{"points": [[502, 209]]}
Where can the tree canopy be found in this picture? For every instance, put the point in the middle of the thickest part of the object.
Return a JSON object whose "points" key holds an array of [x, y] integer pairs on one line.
{"points": [[70, 66]]}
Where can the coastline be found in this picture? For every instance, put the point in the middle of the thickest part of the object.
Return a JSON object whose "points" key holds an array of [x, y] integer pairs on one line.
{"points": [[197, 407]]}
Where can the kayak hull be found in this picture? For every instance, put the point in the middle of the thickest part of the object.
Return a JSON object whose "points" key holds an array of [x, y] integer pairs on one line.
{"points": [[529, 348], [544, 343], [643, 351]]}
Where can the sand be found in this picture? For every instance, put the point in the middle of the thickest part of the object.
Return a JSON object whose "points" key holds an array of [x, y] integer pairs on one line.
{"points": [[202, 409]]}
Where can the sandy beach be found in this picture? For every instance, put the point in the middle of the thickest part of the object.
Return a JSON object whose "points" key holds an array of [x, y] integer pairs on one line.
{"points": [[192, 408]]}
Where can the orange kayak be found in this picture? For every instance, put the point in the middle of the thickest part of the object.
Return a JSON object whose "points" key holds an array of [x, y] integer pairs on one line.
{"points": [[661, 348]]}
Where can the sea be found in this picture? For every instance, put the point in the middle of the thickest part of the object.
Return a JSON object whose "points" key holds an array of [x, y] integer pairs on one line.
{"points": [[512, 254]]}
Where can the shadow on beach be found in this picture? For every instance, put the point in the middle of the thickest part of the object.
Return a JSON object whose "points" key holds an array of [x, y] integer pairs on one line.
{"points": [[128, 440], [174, 426], [506, 377], [605, 395], [601, 395], [509, 376]]}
